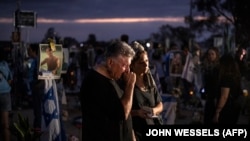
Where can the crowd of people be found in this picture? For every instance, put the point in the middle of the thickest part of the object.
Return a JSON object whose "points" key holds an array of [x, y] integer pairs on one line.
{"points": [[120, 94], [219, 75]]}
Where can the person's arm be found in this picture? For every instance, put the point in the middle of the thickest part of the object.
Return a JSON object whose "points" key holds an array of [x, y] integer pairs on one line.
{"points": [[57, 66], [140, 113], [44, 61], [157, 109], [221, 102], [127, 97], [133, 136]]}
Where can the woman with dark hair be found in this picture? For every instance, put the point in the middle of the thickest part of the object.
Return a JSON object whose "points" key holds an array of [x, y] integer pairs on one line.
{"points": [[147, 102], [210, 71], [240, 57], [227, 110]]}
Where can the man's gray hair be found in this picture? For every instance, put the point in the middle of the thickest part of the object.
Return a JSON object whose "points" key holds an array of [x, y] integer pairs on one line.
{"points": [[117, 47]]}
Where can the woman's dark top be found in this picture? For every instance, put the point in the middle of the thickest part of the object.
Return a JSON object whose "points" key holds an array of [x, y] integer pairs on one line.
{"points": [[148, 98]]}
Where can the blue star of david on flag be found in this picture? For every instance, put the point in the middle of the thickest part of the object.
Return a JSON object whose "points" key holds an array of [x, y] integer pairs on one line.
{"points": [[50, 112]]}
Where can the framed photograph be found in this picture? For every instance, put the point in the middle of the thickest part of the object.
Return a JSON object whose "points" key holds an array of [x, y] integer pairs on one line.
{"points": [[65, 62], [50, 64], [176, 62]]}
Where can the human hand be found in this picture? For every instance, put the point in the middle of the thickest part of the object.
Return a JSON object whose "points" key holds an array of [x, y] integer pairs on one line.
{"points": [[142, 113], [129, 78], [149, 111]]}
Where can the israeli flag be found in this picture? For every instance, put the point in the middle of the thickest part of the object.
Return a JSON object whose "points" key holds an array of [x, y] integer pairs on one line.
{"points": [[188, 71], [51, 126]]}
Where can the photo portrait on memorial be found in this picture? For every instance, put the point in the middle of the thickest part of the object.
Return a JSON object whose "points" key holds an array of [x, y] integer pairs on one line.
{"points": [[50, 61], [176, 65]]}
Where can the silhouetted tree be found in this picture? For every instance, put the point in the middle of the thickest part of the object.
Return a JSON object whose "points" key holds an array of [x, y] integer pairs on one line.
{"points": [[233, 11], [175, 34]]}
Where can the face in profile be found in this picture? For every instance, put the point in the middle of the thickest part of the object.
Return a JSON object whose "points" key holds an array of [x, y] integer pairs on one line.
{"points": [[141, 65]]}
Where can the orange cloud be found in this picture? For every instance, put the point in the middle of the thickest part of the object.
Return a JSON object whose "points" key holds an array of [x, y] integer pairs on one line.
{"points": [[105, 20], [129, 20]]}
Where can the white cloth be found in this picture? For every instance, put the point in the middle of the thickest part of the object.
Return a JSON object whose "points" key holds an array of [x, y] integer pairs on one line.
{"points": [[50, 112], [169, 109], [188, 71]]}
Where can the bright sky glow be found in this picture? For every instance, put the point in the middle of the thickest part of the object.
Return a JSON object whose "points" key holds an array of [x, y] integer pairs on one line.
{"points": [[106, 20], [112, 20]]}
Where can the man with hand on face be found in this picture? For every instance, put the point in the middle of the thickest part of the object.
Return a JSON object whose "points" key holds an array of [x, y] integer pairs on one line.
{"points": [[105, 106]]}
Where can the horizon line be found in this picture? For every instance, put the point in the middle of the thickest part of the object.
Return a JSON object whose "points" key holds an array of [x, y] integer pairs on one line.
{"points": [[104, 20]]}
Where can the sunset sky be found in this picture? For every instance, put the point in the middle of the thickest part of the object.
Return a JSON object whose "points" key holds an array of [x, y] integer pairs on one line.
{"points": [[107, 19]]}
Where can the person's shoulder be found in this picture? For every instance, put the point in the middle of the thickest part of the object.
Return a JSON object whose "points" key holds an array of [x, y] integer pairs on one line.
{"points": [[55, 57], [4, 63]]}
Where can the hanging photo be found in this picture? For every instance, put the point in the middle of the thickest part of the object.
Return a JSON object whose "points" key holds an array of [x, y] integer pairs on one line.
{"points": [[65, 62], [50, 65], [176, 64]]}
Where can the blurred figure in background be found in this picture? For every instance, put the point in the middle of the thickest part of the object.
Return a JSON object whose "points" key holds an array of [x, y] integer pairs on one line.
{"points": [[240, 57], [124, 38], [157, 68], [227, 110], [198, 82], [210, 81], [37, 87], [5, 97]]}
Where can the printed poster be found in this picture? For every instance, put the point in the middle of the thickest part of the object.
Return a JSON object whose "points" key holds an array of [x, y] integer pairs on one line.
{"points": [[50, 64], [176, 64]]}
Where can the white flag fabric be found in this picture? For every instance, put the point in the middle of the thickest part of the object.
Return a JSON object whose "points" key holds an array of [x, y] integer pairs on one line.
{"points": [[51, 126], [169, 109], [188, 71]]}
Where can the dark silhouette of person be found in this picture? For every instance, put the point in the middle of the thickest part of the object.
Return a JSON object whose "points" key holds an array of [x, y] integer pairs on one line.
{"points": [[124, 38]]}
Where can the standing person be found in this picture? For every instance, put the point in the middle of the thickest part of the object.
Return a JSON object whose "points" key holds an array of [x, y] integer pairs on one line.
{"points": [[210, 75], [198, 83], [124, 38], [240, 57], [105, 106], [147, 102], [171, 81], [187, 76], [37, 87], [5, 97], [227, 110], [53, 62]]}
